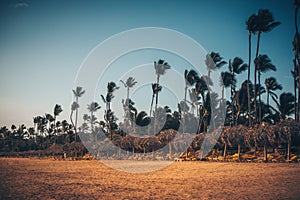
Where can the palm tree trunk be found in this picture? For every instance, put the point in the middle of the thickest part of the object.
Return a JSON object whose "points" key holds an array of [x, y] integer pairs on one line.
{"points": [[248, 78], [239, 151], [259, 98], [184, 109], [295, 91], [224, 153], [76, 118], [255, 75], [297, 61], [156, 103], [73, 125], [265, 153], [232, 102]]}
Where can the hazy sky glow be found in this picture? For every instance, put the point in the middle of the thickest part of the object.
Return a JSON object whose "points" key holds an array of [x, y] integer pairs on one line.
{"points": [[44, 43]]}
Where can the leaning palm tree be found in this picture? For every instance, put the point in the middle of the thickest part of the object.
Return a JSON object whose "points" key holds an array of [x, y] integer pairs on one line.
{"points": [[264, 23], [251, 27], [271, 86], [262, 65], [78, 92]]}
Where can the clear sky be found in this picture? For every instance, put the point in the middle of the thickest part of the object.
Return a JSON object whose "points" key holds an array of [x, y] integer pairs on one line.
{"points": [[43, 43]]}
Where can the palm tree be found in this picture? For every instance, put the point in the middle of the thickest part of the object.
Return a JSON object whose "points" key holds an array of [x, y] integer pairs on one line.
{"points": [[155, 90], [191, 78], [264, 22], [74, 107], [227, 79], [201, 88], [262, 65], [296, 60], [111, 87], [271, 86], [160, 69], [78, 92], [213, 61], [130, 82], [56, 112], [237, 66], [251, 27], [92, 108], [285, 104]]}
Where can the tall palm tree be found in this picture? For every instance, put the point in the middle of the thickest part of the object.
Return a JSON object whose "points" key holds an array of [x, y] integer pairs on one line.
{"points": [[160, 69], [262, 65], [271, 86], [78, 92], [237, 66], [251, 27], [92, 108], [296, 60], [264, 23]]}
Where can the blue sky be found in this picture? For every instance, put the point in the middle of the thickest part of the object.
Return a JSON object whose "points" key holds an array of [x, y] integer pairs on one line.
{"points": [[44, 43]]}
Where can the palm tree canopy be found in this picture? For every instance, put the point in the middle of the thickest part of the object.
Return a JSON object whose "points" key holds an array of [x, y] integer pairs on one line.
{"points": [[156, 88], [49, 117], [251, 23], [272, 84], [78, 92], [57, 110], [111, 87], [160, 67], [286, 104], [86, 117], [130, 82], [265, 21], [214, 61], [263, 63], [93, 107], [201, 86], [74, 106], [191, 77], [227, 79], [237, 66]]}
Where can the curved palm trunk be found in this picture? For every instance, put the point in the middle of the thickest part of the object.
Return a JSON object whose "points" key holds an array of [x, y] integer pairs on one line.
{"points": [[295, 91], [71, 116], [255, 75], [248, 78]]}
